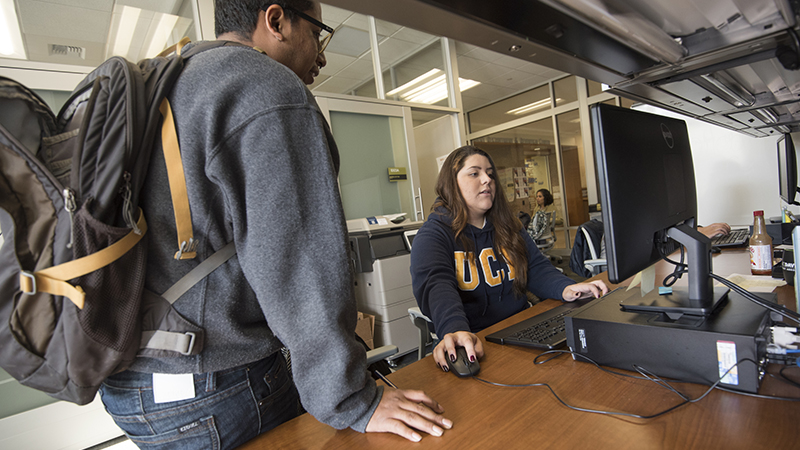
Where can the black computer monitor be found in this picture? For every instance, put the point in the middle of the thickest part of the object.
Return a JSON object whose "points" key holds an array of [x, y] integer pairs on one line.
{"points": [[649, 199], [787, 169]]}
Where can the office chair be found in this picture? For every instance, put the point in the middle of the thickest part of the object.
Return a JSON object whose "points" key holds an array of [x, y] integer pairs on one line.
{"points": [[542, 229], [425, 327], [547, 239], [585, 259]]}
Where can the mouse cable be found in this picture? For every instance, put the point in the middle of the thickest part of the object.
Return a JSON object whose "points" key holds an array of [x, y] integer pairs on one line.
{"points": [[644, 376], [686, 400], [577, 408]]}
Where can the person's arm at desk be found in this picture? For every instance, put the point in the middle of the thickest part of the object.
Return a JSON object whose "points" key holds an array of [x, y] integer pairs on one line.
{"points": [[715, 229]]}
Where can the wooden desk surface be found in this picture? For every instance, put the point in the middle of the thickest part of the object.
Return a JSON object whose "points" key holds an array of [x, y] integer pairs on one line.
{"points": [[492, 417]]}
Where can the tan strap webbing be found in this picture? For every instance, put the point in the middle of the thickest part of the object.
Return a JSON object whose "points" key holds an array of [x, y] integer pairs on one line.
{"points": [[53, 280], [176, 47], [177, 184]]}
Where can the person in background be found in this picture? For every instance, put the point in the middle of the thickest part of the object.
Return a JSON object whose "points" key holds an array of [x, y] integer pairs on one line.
{"points": [[472, 263], [261, 170], [544, 201]]}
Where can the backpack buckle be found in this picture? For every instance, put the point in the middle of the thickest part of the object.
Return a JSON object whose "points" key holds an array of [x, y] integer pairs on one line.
{"points": [[187, 250], [25, 274], [189, 347]]}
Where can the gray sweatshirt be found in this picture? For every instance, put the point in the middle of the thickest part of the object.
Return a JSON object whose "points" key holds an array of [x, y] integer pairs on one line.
{"points": [[261, 170]]}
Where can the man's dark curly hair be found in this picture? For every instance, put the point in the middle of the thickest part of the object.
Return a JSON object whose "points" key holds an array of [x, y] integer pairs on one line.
{"points": [[241, 16]]}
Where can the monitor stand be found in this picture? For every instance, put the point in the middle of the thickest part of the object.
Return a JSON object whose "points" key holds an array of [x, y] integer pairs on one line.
{"points": [[676, 304], [701, 298]]}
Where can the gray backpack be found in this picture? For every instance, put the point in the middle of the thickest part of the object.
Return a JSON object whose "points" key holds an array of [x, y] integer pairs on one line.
{"points": [[73, 259]]}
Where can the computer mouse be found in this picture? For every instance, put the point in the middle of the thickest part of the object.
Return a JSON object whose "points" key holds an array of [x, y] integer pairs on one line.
{"points": [[462, 365], [398, 219], [716, 250]]}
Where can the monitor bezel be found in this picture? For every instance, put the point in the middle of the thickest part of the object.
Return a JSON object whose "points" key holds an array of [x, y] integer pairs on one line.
{"points": [[787, 170]]}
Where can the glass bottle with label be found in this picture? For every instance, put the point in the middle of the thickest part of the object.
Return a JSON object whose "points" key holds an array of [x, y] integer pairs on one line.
{"points": [[760, 247]]}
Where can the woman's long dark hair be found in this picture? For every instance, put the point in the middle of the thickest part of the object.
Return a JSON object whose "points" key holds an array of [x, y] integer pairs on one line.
{"points": [[507, 238]]}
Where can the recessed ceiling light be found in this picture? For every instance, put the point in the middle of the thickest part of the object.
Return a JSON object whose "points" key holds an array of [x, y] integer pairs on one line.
{"points": [[10, 36]]}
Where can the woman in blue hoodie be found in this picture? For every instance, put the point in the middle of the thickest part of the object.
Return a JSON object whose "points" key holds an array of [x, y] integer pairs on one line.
{"points": [[472, 262]]}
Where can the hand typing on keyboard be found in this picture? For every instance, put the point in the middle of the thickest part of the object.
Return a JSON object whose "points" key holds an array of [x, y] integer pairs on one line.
{"points": [[715, 229]]}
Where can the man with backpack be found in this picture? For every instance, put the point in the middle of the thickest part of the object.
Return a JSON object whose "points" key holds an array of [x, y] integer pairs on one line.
{"points": [[261, 166]]}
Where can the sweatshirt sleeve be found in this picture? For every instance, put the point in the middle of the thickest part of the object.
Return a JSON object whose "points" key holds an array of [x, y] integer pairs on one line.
{"points": [[433, 278], [544, 280], [280, 184]]}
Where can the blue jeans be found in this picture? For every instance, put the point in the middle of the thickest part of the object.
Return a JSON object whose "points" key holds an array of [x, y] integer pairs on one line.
{"points": [[230, 407]]}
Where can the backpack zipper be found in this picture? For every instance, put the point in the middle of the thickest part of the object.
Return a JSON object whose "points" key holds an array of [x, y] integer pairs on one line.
{"points": [[70, 207], [127, 207]]}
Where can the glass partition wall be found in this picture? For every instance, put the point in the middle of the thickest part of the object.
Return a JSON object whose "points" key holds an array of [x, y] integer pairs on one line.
{"points": [[542, 133]]}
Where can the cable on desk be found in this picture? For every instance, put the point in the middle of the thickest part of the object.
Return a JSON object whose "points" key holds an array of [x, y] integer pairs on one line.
{"points": [[784, 378], [661, 382]]}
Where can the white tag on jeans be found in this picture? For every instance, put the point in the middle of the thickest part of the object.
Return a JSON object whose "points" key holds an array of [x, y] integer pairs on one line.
{"points": [[168, 387]]}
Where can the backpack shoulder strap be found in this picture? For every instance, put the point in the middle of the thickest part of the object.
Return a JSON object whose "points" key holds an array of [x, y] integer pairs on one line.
{"points": [[183, 342], [172, 155]]}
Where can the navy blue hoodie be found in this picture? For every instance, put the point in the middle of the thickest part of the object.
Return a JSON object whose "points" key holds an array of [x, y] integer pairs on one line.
{"points": [[457, 295]]}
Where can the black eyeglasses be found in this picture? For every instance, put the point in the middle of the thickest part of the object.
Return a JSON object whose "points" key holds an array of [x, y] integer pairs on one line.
{"points": [[323, 40]]}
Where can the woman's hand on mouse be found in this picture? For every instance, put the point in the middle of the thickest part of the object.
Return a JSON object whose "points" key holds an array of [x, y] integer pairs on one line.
{"points": [[447, 348]]}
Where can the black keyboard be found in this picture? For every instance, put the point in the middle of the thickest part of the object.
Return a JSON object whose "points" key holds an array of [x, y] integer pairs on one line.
{"points": [[545, 330], [736, 237]]}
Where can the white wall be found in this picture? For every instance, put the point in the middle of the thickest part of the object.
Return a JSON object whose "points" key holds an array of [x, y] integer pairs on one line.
{"points": [[735, 174]]}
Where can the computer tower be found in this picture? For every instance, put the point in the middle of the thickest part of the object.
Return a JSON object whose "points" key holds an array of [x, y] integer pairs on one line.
{"points": [[693, 349]]}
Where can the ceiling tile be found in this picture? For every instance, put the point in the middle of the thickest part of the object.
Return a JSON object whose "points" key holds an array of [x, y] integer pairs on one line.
{"points": [[484, 55], [49, 19], [393, 50], [417, 37], [338, 85], [387, 28], [468, 66], [99, 5], [336, 62], [334, 16], [349, 41], [359, 70], [357, 21]]}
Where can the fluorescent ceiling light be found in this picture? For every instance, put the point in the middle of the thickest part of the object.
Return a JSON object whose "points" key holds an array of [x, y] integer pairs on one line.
{"points": [[10, 36], [127, 26], [419, 80], [531, 107], [429, 88], [166, 23]]}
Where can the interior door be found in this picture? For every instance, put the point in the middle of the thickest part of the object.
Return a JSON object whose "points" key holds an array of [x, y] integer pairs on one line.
{"points": [[378, 171]]}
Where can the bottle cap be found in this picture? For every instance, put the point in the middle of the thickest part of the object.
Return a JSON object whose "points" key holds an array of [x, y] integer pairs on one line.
{"points": [[758, 213]]}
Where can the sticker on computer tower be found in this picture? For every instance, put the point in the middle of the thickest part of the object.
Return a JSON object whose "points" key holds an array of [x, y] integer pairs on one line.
{"points": [[582, 337], [726, 358]]}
